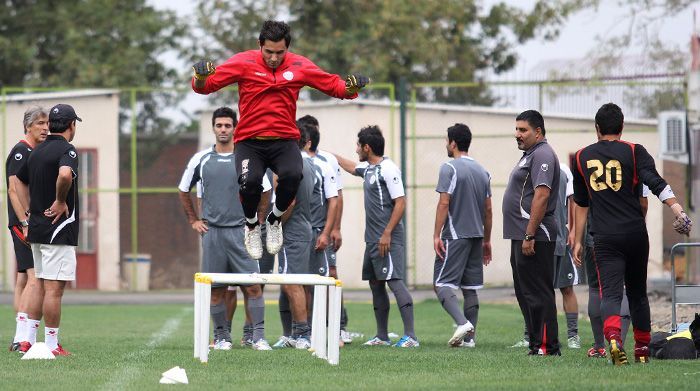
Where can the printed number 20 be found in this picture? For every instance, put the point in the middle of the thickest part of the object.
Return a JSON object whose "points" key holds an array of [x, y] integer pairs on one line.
{"points": [[614, 183]]}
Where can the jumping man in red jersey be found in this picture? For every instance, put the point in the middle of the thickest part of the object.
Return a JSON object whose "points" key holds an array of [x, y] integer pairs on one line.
{"points": [[269, 81]]}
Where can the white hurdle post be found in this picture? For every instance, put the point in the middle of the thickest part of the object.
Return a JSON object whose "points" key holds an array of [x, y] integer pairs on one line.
{"points": [[324, 340]]}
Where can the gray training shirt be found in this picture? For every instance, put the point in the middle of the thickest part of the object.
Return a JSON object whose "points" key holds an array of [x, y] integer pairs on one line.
{"points": [[382, 184], [539, 166], [566, 189], [217, 185], [469, 185], [298, 227], [324, 189]]}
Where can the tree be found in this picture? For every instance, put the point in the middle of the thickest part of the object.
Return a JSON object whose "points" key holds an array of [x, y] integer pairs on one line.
{"points": [[85, 43], [421, 40]]}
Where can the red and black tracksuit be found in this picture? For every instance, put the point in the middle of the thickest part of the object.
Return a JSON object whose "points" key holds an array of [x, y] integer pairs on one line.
{"points": [[607, 179]]}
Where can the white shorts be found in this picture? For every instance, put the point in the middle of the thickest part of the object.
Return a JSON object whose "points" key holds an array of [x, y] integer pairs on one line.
{"points": [[54, 262]]}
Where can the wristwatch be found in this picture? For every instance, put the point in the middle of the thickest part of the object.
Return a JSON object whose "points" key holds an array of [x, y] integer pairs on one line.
{"points": [[529, 237], [24, 223]]}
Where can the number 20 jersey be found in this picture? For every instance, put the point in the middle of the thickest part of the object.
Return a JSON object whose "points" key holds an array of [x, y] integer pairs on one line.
{"points": [[608, 178]]}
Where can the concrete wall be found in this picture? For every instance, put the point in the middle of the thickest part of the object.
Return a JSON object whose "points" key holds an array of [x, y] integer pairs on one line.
{"points": [[99, 110], [493, 146]]}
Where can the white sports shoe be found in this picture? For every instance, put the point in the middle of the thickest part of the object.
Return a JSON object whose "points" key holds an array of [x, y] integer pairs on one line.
{"points": [[465, 344], [261, 344], [574, 342], [274, 237], [303, 343], [345, 337], [253, 242], [222, 344], [460, 333], [285, 342]]}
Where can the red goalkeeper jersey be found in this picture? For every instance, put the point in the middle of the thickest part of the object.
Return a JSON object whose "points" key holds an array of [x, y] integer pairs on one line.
{"points": [[268, 97]]}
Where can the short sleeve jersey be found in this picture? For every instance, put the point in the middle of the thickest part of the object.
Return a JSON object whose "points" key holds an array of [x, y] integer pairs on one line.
{"points": [[298, 227], [16, 160], [382, 185], [216, 179], [609, 178], [41, 173], [539, 166], [333, 162], [324, 189], [469, 185], [566, 189]]}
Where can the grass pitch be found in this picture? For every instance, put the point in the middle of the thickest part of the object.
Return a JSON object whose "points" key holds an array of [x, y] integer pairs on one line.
{"points": [[128, 347]]}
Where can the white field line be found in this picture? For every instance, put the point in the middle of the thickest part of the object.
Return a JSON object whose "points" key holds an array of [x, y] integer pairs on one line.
{"points": [[120, 379]]}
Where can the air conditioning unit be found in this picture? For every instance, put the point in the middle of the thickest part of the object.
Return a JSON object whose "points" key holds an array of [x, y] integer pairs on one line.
{"points": [[672, 134]]}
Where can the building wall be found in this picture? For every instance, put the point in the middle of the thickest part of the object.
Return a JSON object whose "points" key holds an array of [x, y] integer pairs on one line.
{"points": [[99, 130], [493, 146]]}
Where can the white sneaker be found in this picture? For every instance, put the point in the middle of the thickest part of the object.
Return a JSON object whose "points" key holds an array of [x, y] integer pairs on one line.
{"points": [[274, 237], [574, 342], [460, 333], [253, 242], [303, 343], [345, 337], [222, 344], [261, 344], [285, 342], [465, 344]]}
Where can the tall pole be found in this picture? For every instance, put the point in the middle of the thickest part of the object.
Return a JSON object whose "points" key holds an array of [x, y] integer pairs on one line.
{"points": [[403, 97]]}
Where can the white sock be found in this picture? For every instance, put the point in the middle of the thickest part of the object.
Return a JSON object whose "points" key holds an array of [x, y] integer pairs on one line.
{"points": [[21, 328], [51, 337], [32, 327], [252, 220], [278, 213]]}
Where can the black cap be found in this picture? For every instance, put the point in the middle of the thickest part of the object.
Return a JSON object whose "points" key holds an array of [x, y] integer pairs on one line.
{"points": [[62, 112]]}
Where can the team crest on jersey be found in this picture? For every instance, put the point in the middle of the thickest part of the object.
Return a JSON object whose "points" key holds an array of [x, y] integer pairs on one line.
{"points": [[18, 156], [396, 180], [72, 154], [372, 179], [522, 162], [545, 167], [288, 75], [332, 179]]}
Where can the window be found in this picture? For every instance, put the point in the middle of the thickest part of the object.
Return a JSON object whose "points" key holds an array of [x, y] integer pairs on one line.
{"points": [[87, 185]]}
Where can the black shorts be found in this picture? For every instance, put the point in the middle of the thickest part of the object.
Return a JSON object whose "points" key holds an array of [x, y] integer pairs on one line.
{"points": [[23, 252], [254, 157]]}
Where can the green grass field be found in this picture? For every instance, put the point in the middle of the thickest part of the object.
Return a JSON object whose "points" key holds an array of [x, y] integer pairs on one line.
{"points": [[128, 347]]}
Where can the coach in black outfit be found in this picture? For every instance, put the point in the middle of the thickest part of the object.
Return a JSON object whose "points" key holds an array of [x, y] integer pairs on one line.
{"points": [[52, 175], [529, 222]]}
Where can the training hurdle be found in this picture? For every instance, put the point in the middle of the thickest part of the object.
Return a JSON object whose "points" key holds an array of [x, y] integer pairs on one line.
{"points": [[324, 340]]}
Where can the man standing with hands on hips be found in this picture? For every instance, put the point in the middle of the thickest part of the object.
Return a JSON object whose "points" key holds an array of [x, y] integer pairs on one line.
{"points": [[52, 175]]}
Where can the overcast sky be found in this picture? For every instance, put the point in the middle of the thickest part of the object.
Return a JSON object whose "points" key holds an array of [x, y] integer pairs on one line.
{"points": [[576, 39]]}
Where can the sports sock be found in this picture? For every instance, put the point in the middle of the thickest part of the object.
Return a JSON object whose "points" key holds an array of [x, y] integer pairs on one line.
{"points": [[595, 317], [256, 307], [252, 221], [300, 330], [218, 317], [405, 303], [625, 318], [343, 316], [51, 337], [247, 331], [285, 315], [275, 215], [450, 303], [32, 327], [380, 302], [21, 327], [571, 324], [228, 326], [471, 306]]}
